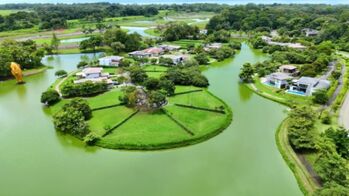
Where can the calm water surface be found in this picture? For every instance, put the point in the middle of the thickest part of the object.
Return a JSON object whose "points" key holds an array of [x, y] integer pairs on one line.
{"points": [[243, 160]]}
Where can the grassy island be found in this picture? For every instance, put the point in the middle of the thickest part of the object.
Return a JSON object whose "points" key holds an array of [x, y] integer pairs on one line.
{"points": [[189, 115]]}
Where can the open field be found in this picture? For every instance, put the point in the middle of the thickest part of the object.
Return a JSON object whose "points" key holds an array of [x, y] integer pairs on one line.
{"points": [[105, 119], [8, 12]]}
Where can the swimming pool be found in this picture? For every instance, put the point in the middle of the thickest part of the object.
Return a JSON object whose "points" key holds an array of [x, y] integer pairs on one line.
{"points": [[294, 92]]}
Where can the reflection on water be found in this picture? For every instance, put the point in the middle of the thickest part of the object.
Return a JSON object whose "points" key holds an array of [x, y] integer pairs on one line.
{"points": [[244, 92], [41, 161]]}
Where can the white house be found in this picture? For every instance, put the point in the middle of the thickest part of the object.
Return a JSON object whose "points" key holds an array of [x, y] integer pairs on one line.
{"points": [[309, 85], [110, 61], [310, 32], [146, 53], [176, 59], [93, 74], [279, 80], [212, 46]]}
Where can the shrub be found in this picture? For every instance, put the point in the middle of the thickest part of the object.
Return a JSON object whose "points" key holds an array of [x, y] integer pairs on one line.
{"points": [[83, 89], [152, 84], [80, 105], [81, 64], [202, 58], [91, 138], [326, 118], [50, 97], [61, 73], [71, 121], [320, 96]]}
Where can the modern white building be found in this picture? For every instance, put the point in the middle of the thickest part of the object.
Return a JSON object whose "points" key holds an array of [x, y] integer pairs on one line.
{"points": [[279, 80], [309, 85], [110, 61], [213, 46], [176, 59], [92, 74]]}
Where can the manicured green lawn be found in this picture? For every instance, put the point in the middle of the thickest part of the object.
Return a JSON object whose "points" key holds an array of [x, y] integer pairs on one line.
{"points": [[184, 43], [155, 68], [145, 129], [155, 74], [198, 121], [103, 120], [180, 89], [105, 99], [198, 99]]}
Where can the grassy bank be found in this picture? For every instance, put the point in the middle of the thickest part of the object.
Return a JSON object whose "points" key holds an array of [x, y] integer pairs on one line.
{"points": [[304, 179]]}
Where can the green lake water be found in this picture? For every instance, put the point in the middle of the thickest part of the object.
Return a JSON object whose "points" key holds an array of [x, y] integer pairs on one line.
{"points": [[243, 160]]}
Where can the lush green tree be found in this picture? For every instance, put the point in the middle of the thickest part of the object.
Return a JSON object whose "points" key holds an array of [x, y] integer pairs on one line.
{"points": [[168, 86], [320, 96], [176, 31], [81, 64], [246, 73], [330, 166], [165, 61], [340, 139], [152, 84], [80, 105], [157, 99], [117, 47], [50, 97], [137, 74], [55, 42], [301, 131], [191, 62], [83, 89], [92, 43], [71, 121], [199, 80], [219, 36], [91, 138], [326, 117], [332, 189], [125, 63], [25, 53], [129, 96], [61, 73], [202, 58], [235, 45]]}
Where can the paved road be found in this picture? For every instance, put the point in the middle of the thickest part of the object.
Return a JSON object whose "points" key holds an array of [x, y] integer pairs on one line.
{"points": [[340, 83], [344, 113]]}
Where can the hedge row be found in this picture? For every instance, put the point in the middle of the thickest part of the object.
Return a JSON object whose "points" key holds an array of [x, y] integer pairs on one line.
{"points": [[200, 108], [120, 123], [177, 122], [186, 92], [109, 106]]}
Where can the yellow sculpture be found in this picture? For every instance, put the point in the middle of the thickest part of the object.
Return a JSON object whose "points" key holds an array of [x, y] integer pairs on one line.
{"points": [[17, 72]]}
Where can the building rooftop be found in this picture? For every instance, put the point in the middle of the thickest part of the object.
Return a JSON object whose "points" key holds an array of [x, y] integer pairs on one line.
{"points": [[115, 58], [153, 50], [92, 70], [290, 67], [280, 76]]}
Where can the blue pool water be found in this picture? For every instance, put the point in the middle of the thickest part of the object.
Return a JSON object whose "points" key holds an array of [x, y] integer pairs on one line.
{"points": [[300, 93]]}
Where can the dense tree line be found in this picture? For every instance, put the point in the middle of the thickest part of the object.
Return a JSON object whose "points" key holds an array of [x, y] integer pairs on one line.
{"points": [[331, 148], [24, 53], [289, 20], [55, 16]]}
